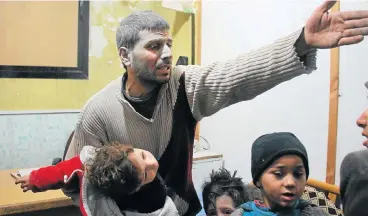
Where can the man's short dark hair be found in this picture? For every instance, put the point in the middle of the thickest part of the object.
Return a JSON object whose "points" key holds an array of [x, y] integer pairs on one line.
{"points": [[127, 33], [112, 171]]}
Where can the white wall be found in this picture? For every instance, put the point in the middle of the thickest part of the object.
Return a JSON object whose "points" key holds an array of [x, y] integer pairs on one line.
{"points": [[353, 99], [299, 106]]}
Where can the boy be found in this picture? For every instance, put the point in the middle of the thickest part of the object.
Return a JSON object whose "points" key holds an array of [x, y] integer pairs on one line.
{"points": [[280, 169], [113, 180]]}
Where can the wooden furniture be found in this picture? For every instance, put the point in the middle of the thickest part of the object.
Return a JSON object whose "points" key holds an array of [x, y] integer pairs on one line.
{"points": [[326, 196], [332, 191], [13, 200]]}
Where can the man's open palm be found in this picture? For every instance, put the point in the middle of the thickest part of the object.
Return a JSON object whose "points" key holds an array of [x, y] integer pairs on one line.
{"points": [[328, 30]]}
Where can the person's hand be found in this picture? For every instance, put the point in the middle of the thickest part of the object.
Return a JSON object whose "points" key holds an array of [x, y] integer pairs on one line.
{"points": [[24, 183], [328, 30]]}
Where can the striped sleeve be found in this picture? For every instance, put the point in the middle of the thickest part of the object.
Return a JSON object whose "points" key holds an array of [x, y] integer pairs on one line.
{"points": [[89, 131], [218, 85]]}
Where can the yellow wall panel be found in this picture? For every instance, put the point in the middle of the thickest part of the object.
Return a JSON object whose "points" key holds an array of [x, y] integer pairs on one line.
{"points": [[38, 33], [104, 65]]}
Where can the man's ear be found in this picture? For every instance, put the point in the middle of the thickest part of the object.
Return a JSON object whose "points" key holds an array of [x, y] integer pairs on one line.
{"points": [[124, 56]]}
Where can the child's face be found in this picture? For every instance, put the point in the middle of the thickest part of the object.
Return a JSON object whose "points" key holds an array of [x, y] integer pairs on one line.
{"points": [[283, 182], [147, 164], [224, 206]]}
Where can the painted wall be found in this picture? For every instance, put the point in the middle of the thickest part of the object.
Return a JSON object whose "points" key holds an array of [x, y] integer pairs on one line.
{"points": [[300, 105], [52, 42], [37, 115], [51, 94], [32, 140]]}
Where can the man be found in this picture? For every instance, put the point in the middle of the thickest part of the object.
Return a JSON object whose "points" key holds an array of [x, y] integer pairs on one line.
{"points": [[155, 106], [354, 175]]}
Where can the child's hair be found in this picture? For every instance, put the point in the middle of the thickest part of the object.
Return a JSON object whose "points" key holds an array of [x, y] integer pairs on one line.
{"points": [[223, 183], [113, 171]]}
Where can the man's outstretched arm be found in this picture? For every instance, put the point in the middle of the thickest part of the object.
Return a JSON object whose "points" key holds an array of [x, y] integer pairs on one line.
{"points": [[221, 84]]}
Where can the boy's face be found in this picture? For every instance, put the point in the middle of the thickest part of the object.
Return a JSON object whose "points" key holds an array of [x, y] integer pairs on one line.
{"points": [[283, 182], [147, 165]]}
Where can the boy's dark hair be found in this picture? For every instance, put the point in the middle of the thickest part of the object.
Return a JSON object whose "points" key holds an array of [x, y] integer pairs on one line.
{"points": [[223, 183], [112, 171]]}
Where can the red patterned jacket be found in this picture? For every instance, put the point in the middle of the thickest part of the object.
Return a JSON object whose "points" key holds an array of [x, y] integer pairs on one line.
{"points": [[59, 176]]}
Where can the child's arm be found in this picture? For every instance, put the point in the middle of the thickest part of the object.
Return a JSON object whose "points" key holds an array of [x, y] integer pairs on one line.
{"points": [[51, 177]]}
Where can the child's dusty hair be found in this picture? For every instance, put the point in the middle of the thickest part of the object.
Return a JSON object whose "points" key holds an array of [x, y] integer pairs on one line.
{"points": [[223, 183], [113, 170]]}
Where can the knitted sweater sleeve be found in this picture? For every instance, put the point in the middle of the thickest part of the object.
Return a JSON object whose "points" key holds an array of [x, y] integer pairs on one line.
{"points": [[169, 209], [89, 131], [221, 84]]}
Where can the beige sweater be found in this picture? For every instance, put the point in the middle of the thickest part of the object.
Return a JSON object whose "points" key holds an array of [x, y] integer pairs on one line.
{"points": [[107, 116]]}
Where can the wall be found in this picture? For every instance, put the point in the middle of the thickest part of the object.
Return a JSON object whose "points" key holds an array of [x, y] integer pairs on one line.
{"points": [[40, 47], [32, 140], [300, 105], [51, 94], [37, 115], [353, 93]]}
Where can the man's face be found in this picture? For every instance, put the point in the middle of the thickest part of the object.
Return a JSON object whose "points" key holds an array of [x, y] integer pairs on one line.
{"points": [[151, 57], [362, 122]]}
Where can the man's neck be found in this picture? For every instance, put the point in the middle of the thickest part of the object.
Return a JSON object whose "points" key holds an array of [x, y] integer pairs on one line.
{"points": [[134, 87]]}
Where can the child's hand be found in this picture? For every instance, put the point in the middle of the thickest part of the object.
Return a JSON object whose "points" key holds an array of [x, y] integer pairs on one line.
{"points": [[24, 181]]}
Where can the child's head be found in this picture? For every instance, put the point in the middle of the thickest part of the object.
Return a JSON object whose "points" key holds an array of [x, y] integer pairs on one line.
{"points": [[280, 168], [121, 169], [223, 193]]}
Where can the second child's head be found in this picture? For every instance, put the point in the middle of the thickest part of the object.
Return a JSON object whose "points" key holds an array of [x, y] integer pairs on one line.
{"points": [[121, 169], [223, 193], [280, 168]]}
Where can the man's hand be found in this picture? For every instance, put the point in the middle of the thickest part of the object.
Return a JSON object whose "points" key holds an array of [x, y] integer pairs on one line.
{"points": [[329, 30], [24, 181]]}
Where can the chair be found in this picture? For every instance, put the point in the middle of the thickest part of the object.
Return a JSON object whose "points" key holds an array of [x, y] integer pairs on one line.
{"points": [[324, 195], [58, 160], [332, 191]]}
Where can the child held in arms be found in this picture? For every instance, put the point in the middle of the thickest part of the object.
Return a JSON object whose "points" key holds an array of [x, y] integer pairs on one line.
{"points": [[114, 179]]}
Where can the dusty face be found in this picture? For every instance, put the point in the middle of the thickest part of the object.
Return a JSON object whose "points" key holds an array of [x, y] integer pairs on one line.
{"points": [[146, 163], [362, 122], [283, 183], [224, 206], [151, 58]]}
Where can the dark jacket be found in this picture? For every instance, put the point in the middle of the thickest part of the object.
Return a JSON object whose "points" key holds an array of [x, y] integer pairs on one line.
{"points": [[354, 183]]}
